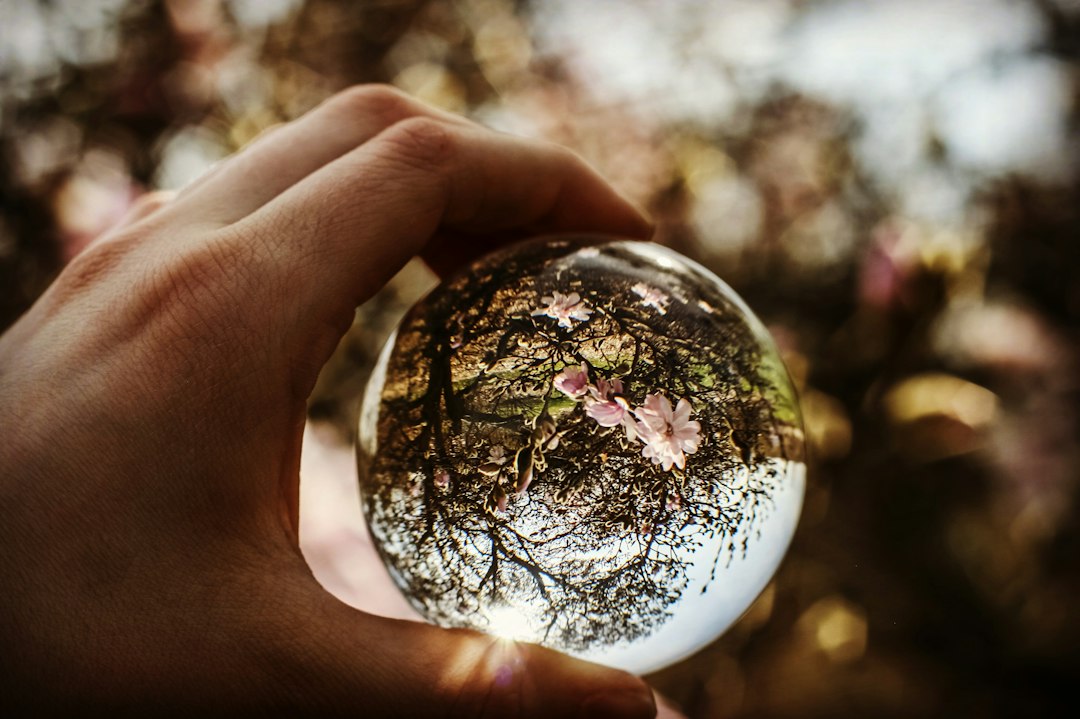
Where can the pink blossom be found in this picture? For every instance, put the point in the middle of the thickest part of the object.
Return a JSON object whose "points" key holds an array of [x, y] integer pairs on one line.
{"points": [[573, 381], [668, 435], [603, 403], [603, 390], [651, 297], [606, 405], [606, 414], [564, 308]]}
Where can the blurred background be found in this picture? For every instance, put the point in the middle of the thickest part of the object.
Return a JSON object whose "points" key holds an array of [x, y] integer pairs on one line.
{"points": [[894, 187]]}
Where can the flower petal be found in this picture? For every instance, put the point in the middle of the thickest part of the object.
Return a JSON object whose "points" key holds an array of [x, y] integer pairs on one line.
{"points": [[606, 414], [682, 410]]}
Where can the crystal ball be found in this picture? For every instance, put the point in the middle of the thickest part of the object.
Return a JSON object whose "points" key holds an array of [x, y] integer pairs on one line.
{"points": [[587, 443]]}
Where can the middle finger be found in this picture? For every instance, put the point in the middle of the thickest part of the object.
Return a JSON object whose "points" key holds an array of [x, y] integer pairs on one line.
{"points": [[276, 162]]}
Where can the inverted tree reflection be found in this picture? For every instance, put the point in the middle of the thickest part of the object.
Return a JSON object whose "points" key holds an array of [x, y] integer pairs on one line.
{"points": [[528, 445]]}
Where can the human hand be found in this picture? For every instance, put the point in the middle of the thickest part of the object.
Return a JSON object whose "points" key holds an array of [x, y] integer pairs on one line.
{"points": [[153, 402]]}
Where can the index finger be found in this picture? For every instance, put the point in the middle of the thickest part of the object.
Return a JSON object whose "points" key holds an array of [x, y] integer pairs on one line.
{"points": [[423, 185]]}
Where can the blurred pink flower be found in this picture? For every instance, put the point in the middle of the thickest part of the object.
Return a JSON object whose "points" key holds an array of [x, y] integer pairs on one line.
{"points": [[564, 308], [668, 435], [651, 297], [573, 381]]}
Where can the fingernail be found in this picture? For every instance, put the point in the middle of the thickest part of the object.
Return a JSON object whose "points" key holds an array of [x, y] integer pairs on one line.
{"points": [[628, 704]]}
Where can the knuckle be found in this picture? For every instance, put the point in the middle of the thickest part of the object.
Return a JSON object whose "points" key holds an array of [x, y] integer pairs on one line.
{"points": [[564, 156], [194, 287], [152, 201], [188, 305], [421, 142], [93, 265], [210, 267], [382, 102]]}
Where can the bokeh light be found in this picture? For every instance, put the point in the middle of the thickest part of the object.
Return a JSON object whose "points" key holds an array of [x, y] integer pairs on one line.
{"points": [[893, 186]]}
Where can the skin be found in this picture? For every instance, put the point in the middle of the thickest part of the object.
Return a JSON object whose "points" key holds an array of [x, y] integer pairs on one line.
{"points": [[153, 401]]}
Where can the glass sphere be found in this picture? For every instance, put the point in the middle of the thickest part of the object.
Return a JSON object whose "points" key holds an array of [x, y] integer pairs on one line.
{"points": [[589, 444]]}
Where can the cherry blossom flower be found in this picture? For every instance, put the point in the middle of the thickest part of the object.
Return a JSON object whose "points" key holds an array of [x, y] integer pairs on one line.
{"points": [[564, 308], [651, 297], [668, 435], [573, 381], [604, 390], [607, 414], [606, 405], [442, 479], [603, 403]]}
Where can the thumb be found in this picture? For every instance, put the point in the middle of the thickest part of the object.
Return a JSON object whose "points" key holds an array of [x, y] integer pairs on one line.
{"points": [[359, 664]]}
